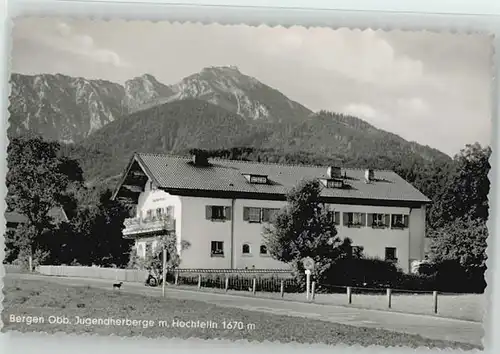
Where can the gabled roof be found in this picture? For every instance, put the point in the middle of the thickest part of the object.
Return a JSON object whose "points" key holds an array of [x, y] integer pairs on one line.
{"points": [[178, 173]]}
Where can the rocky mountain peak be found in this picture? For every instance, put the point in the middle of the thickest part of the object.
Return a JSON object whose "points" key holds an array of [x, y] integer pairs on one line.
{"points": [[144, 89]]}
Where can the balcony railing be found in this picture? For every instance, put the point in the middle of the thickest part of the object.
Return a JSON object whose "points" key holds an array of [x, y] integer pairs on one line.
{"points": [[137, 226]]}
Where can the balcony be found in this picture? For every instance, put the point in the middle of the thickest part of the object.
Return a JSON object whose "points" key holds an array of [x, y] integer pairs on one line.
{"points": [[145, 226]]}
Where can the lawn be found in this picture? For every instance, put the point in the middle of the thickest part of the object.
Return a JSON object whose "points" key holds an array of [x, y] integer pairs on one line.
{"points": [[42, 299]]}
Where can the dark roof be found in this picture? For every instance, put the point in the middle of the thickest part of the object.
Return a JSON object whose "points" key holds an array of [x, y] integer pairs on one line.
{"points": [[178, 173], [15, 217]]}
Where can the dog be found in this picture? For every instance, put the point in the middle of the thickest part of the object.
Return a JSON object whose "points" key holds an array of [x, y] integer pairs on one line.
{"points": [[117, 285]]}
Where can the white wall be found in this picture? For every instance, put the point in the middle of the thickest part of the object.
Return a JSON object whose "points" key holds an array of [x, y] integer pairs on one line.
{"points": [[199, 232], [192, 226], [153, 199], [251, 233], [417, 233], [374, 241]]}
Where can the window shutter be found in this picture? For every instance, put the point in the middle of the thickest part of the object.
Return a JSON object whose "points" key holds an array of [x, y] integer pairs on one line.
{"points": [[265, 215], [387, 219], [346, 219], [208, 212], [337, 218], [227, 213], [370, 219], [405, 220], [246, 216], [363, 219]]}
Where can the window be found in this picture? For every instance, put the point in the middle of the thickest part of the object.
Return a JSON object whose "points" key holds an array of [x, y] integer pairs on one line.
{"points": [[354, 219], [334, 216], [149, 214], [217, 249], [216, 212], [258, 215], [390, 254], [378, 220], [268, 215], [140, 250], [258, 179], [263, 249], [254, 214], [332, 183], [399, 221], [159, 212], [245, 249]]}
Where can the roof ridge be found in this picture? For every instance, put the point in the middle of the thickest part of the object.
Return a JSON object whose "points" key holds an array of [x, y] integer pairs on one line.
{"points": [[260, 162]]}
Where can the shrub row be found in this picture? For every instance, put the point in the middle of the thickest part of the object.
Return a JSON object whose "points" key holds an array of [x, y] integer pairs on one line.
{"points": [[447, 276]]}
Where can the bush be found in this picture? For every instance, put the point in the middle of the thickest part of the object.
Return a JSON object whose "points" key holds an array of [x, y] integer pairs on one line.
{"points": [[445, 276], [361, 272]]}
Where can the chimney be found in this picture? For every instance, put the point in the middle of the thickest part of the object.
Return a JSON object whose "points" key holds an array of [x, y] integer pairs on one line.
{"points": [[334, 172], [200, 158], [369, 175]]}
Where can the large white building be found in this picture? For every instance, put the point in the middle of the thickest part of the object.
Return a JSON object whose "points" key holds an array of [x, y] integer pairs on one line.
{"points": [[220, 207]]}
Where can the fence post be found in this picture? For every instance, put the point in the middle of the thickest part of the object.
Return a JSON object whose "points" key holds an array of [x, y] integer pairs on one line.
{"points": [[389, 292], [164, 271], [227, 283], [177, 278], [254, 285], [313, 290], [282, 288], [30, 263], [435, 298], [199, 281], [349, 294]]}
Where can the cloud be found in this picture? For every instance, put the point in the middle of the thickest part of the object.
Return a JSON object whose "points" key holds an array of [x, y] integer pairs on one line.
{"points": [[360, 55], [415, 84], [361, 110], [64, 38], [415, 105]]}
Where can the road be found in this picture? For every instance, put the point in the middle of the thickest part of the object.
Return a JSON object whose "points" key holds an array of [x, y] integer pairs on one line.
{"points": [[426, 326]]}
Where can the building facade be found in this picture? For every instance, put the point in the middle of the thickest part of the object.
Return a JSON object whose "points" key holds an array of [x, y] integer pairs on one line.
{"points": [[221, 207]]}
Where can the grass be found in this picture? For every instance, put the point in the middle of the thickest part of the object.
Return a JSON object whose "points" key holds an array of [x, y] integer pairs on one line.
{"points": [[43, 298]]}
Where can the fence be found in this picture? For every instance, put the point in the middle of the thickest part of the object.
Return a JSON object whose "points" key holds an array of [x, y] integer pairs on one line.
{"points": [[268, 281], [280, 284], [211, 277]]}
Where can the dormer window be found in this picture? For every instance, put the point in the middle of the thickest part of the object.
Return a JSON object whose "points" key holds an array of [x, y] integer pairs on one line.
{"points": [[333, 183], [256, 179]]}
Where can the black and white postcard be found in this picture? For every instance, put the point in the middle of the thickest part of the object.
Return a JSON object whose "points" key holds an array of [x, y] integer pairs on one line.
{"points": [[238, 182]]}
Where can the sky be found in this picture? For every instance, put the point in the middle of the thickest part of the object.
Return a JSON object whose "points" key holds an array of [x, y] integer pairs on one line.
{"points": [[432, 88]]}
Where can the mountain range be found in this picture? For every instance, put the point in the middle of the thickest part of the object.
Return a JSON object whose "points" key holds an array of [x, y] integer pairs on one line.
{"points": [[219, 107]]}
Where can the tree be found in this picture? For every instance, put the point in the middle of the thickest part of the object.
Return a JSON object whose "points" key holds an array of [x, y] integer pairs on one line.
{"points": [[97, 230], [463, 240], [154, 261], [37, 180], [304, 228], [467, 192]]}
